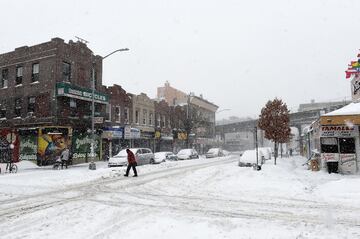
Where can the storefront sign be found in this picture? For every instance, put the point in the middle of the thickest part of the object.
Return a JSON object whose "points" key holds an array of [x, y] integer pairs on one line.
{"points": [[127, 132], [135, 133], [339, 131], [110, 133], [330, 157], [64, 89], [347, 164]]}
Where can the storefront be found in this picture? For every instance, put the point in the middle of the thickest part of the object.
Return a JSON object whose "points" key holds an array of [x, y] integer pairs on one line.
{"points": [[339, 139]]}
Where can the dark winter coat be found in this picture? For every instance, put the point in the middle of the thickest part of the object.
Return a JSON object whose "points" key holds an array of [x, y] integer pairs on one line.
{"points": [[131, 157]]}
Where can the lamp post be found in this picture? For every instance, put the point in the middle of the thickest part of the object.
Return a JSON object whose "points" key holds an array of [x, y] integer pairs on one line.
{"points": [[92, 150]]}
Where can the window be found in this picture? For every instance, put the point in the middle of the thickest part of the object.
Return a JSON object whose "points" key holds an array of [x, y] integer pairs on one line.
{"points": [[150, 118], [126, 115], [136, 116], [4, 78], [72, 103], [117, 114], [144, 117], [163, 122], [35, 72], [31, 104], [347, 145], [329, 145], [19, 75], [66, 71], [108, 112], [93, 74], [3, 109], [158, 120], [17, 109]]}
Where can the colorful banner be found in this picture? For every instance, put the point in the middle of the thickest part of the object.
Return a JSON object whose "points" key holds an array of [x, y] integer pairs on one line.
{"points": [[81, 145], [28, 146]]}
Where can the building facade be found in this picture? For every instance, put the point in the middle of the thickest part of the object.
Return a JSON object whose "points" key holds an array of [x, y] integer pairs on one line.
{"points": [[46, 97], [143, 121], [163, 130]]}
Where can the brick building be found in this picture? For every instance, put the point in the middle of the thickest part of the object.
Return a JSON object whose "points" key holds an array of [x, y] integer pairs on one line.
{"points": [[171, 95], [45, 95], [163, 130], [119, 117]]}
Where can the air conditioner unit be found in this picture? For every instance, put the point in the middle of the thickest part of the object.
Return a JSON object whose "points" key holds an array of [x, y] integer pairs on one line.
{"points": [[30, 114]]}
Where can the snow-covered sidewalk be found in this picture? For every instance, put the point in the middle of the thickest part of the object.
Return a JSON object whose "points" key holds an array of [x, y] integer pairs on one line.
{"points": [[205, 198]]}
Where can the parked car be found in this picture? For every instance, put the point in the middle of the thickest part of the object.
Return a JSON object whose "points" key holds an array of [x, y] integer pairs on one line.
{"points": [[214, 152], [226, 153], [187, 154], [163, 156], [248, 158], [142, 156]]}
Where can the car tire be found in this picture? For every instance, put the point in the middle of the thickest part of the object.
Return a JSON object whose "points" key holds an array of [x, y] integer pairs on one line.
{"points": [[152, 161]]}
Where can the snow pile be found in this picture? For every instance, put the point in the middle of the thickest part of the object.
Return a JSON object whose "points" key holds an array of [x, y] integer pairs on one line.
{"points": [[350, 109]]}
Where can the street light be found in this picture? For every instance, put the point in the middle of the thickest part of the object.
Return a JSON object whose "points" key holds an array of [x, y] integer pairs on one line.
{"points": [[222, 110], [92, 150]]}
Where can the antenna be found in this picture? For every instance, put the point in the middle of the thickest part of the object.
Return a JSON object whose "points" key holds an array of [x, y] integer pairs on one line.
{"points": [[82, 40]]}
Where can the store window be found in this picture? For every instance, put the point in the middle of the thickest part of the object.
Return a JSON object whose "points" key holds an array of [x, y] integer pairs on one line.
{"points": [[329, 145], [347, 145]]}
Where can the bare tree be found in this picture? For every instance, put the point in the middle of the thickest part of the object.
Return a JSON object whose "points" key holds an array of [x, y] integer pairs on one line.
{"points": [[274, 120]]}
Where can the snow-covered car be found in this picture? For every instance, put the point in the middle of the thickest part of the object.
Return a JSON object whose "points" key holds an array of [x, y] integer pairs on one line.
{"points": [[142, 156], [214, 152], [266, 152], [226, 153], [187, 154], [248, 158], [163, 156]]}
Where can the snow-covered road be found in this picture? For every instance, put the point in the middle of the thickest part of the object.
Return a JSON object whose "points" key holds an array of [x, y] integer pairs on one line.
{"points": [[205, 198]]}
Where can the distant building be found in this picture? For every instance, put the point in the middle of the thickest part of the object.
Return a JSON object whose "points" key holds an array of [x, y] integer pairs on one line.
{"points": [[325, 106], [171, 95]]}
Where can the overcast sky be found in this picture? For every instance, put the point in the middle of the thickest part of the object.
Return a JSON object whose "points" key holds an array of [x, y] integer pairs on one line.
{"points": [[238, 54]]}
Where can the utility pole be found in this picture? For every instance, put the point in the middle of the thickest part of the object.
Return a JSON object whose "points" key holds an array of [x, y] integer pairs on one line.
{"points": [[92, 147], [256, 146]]}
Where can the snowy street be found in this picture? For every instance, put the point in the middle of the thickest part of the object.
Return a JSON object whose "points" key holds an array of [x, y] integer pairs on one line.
{"points": [[204, 198]]}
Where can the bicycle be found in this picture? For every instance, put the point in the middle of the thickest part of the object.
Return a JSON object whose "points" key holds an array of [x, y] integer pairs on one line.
{"points": [[11, 167]]}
